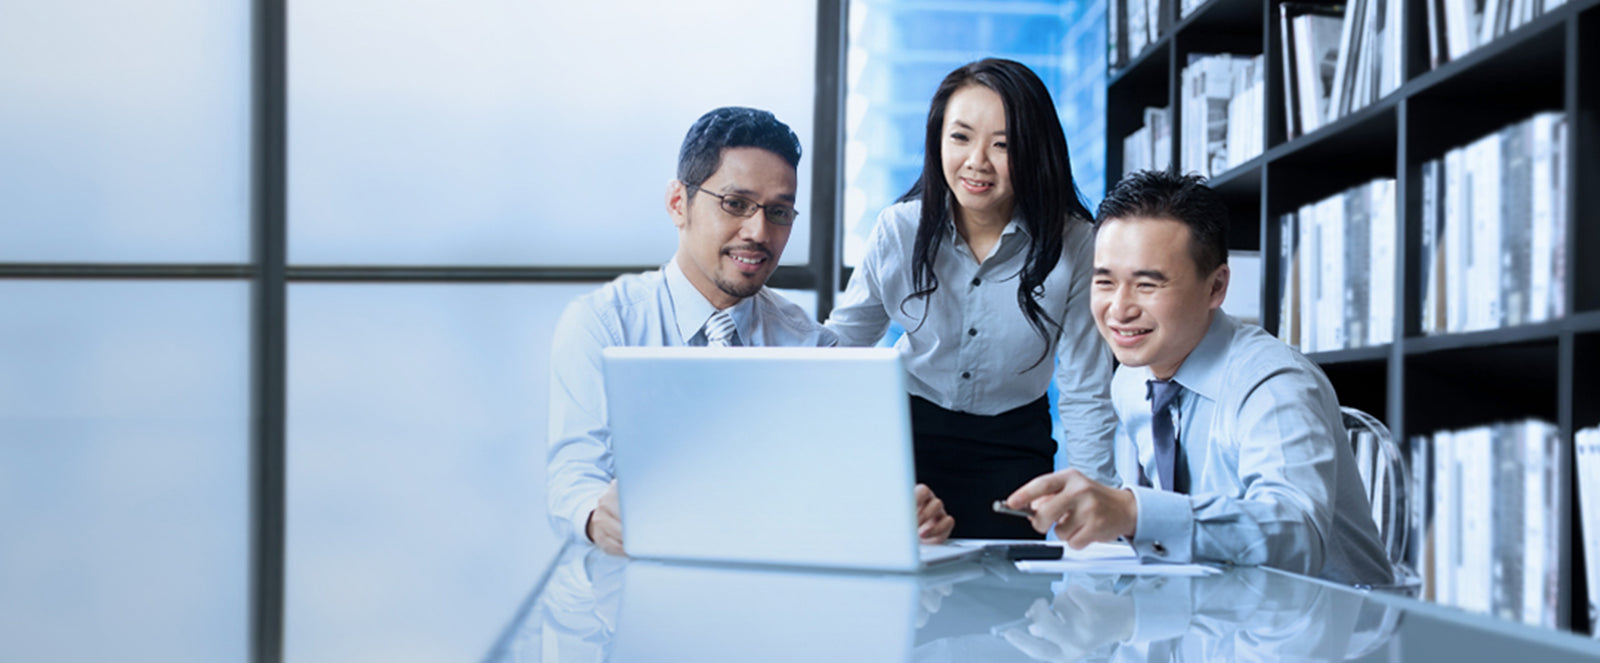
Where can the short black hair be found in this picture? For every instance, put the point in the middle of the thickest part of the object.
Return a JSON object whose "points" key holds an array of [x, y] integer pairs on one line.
{"points": [[732, 126], [1163, 194]]}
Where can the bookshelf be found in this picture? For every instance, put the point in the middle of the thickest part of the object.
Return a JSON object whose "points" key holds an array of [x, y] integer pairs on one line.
{"points": [[1423, 381]]}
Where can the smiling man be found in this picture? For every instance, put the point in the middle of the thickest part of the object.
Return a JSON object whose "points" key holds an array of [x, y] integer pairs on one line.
{"points": [[733, 205], [1230, 445]]}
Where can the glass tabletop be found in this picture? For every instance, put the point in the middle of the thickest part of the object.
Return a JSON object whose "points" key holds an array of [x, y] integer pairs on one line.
{"points": [[596, 607]]}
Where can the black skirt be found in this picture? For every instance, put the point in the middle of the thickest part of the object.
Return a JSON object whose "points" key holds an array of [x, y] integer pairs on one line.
{"points": [[971, 460]]}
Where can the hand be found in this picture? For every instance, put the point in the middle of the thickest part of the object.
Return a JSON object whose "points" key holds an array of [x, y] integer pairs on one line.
{"points": [[933, 524], [605, 522], [930, 600], [1079, 621], [1081, 509]]}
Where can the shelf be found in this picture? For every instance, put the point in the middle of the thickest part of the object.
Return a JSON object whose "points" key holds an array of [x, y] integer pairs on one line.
{"points": [[1544, 331], [1505, 81], [1470, 386], [1151, 65], [1223, 16], [1357, 149], [1240, 188], [1369, 353]]}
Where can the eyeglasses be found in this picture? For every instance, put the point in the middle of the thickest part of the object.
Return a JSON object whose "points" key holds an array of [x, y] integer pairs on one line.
{"points": [[745, 208]]}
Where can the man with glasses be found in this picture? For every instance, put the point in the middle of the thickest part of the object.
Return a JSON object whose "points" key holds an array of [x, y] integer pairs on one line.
{"points": [[733, 205]]}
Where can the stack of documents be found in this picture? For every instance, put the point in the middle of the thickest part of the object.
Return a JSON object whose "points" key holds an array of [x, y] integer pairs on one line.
{"points": [[1117, 558]]}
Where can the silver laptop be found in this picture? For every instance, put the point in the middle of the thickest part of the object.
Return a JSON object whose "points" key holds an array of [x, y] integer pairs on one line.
{"points": [[792, 456]]}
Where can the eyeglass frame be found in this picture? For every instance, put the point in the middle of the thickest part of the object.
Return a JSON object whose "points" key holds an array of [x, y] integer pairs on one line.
{"points": [[723, 202]]}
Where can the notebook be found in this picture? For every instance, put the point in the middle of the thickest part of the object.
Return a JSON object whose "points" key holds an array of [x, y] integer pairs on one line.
{"points": [[789, 456]]}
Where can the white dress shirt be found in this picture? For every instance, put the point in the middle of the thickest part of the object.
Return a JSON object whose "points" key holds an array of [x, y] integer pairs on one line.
{"points": [[659, 308], [1272, 479], [968, 347]]}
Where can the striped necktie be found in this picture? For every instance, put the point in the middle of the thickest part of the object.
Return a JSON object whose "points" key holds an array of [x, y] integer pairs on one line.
{"points": [[720, 332]]}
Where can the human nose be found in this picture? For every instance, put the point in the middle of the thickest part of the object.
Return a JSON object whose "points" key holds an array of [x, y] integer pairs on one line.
{"points": [[1122, 305], [977, 158], [754, 227]]}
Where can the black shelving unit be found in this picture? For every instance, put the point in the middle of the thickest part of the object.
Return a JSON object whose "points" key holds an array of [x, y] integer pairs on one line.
{"points": [[1418, 384]]}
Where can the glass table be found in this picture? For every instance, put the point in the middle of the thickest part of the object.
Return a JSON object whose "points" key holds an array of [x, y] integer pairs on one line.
{"points": [[591, 606]]}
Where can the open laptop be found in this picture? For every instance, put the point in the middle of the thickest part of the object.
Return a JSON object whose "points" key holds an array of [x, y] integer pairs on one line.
{"points": [[792, 456]]}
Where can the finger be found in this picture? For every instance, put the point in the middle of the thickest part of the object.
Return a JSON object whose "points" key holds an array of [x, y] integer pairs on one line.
{"points": [[930, 509], [1033, 646], [1067, 499], [610, 542], [1041, 486], [1042, 523], [937, 531], [924, 494]]}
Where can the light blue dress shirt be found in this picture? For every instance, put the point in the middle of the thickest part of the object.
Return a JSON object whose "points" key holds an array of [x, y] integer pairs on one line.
{"points": [[968, 346], [1272, 479], [659, 308]]}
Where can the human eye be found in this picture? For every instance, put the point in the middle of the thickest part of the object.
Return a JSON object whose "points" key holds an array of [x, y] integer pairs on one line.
{"points": [[738, 206], [781, 214], [1102, 282], [1000, 145], [958, 137]]}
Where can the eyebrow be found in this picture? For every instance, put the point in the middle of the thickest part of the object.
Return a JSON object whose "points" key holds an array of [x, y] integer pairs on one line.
{"points": [[746, 193], [1145, 273], [968, 127]]}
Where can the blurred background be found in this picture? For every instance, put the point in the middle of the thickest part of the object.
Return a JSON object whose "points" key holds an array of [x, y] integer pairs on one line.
{"points": [[277, 281]]}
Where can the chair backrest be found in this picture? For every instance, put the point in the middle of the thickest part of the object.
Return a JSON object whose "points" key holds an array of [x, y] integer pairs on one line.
{"points": [[1384, 474]]}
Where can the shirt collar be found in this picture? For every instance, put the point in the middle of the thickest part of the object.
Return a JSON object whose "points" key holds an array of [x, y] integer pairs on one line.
{"points": [[1202, 371], [691, 309], [1015, 225]]}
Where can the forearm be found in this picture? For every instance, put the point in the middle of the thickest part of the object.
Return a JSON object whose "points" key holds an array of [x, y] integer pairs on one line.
{"points": [[1264, 531], [572, 492]]}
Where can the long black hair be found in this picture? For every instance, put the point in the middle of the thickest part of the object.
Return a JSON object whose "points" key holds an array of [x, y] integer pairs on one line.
{"points": [[1041, 181]]}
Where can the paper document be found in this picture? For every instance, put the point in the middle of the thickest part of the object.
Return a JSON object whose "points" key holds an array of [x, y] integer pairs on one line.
{"points": [[1114, 566], [1108, 557]]}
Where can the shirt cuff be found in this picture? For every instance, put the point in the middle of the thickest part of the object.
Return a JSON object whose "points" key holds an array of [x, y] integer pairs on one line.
{"points": [[576, 520], [1164, 531]]}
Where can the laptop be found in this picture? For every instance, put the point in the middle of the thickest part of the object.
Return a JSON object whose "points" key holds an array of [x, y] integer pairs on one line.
{"points": [[788, 456]]}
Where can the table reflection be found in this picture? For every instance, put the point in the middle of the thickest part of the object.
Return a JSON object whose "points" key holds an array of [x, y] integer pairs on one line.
{"points": [[595, 607]]}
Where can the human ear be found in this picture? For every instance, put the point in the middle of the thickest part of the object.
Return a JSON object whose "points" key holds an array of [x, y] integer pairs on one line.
{"points": [[678, 203], [1219, 285]]}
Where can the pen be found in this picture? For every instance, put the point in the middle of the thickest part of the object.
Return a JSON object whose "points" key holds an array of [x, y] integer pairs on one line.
{"points": [[1000, 507], [1025, 512]]}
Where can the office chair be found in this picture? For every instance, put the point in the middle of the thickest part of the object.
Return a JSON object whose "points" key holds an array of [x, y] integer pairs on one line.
{"points": [[1384, 474]]}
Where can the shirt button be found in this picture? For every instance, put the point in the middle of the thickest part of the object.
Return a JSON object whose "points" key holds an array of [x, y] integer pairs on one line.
{"points": [[972, 332], [1160, 549], [977, 282], [966, 375]]}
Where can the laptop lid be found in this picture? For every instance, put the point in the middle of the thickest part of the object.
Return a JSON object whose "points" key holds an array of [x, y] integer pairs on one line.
{"points": [[795, 456]]}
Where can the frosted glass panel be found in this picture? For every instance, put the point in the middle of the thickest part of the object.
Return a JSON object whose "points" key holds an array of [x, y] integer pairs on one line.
{"points": [[514, 132], [124, 131], [124, 481], [416, 428]]}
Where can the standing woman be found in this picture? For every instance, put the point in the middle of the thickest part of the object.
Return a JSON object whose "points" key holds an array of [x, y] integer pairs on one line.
{"points": [[986, 262]]}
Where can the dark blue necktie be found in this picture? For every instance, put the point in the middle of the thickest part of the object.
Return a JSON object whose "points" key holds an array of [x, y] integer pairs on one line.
{"points": [[1161, 395]]}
